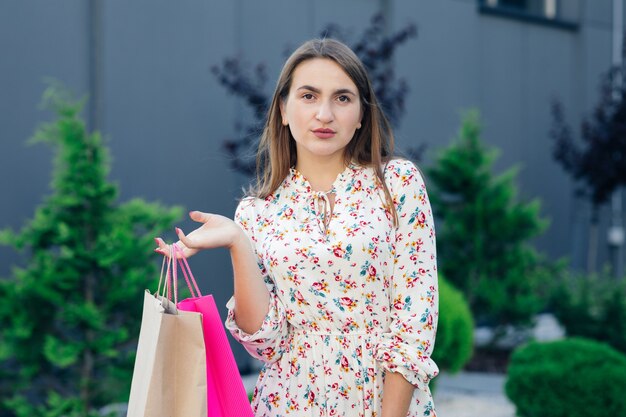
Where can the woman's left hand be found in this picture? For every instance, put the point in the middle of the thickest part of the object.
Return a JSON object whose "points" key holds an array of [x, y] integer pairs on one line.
{"points": [[216, 231]]}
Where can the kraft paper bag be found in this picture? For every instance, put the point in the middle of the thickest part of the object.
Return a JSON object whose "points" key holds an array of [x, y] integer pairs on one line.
{"points": [[169, 378]]}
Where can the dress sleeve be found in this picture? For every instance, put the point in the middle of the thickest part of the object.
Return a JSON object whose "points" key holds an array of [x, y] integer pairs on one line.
{"points": [[268, 343], [408, 345]]}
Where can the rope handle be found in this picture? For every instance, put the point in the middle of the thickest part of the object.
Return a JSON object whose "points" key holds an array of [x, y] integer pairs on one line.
{"points": [[167, 285], [171, 274], [189, 278]]}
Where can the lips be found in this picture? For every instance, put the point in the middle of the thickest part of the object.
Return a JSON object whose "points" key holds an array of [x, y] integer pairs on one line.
{"points": [[324, 133]]}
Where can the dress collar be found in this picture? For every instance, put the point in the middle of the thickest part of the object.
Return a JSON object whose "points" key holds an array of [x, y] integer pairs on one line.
{"points": [[296, 181]]}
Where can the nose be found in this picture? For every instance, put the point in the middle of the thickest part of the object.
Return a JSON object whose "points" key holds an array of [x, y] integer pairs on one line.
{"points": [[324, 113]]}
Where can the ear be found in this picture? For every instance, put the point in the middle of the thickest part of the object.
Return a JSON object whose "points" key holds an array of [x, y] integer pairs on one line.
{"points": [[283, 113], [361, 117]]}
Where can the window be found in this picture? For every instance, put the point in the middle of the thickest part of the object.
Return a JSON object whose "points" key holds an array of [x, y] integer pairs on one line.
{"points": [[560, 13]]}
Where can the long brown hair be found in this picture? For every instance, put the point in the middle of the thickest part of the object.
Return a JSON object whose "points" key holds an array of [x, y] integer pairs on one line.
{"points": [[372, 144]]}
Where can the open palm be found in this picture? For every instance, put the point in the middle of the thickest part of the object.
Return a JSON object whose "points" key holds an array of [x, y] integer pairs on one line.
{"points": [[216, 231]]}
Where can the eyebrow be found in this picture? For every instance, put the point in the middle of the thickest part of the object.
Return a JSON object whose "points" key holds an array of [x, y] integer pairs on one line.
{"points": [[318, 91]]}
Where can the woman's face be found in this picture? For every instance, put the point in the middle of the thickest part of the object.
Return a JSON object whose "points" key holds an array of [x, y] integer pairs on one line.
{"points": [[322, 109]]}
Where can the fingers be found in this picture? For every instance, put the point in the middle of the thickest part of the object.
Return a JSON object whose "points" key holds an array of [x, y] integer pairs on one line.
{"points": [[188, 245], [199, 216], [187, 241], [162, 247], [166, 250]]}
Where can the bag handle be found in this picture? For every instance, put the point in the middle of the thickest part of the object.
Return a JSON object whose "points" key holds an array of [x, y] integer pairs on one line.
{"points": [[171, 274], [167, 287], [184, 266]]}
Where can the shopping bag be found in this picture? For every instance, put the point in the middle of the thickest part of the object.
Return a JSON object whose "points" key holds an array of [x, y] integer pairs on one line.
{"points": [[226, 394], [169, 378]]}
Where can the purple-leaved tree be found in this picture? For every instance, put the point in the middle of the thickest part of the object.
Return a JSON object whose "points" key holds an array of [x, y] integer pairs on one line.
{"points": [[596, 162], [374, 48]]}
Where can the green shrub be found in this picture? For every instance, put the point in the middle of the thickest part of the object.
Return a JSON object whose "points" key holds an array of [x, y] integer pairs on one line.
{"points": [[568, 378], [455, 332], [486, 230], [593, 308]]}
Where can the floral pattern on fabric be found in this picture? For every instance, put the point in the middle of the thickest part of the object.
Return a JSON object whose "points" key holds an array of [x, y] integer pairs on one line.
{"points": [[352, 296]]}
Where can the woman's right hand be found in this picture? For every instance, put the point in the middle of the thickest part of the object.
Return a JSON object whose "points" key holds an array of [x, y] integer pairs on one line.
{"points": [[216, 231]]}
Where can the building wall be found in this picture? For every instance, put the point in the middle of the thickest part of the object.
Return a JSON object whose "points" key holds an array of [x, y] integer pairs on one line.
{"points": [[165, 115]]}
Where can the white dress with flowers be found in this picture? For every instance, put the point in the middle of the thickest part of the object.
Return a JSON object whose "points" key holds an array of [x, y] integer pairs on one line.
{"points": [[352, 296]]}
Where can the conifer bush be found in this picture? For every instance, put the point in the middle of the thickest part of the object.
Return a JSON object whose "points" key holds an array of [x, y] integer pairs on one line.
{"points": [[484, 238], [70, 316], [568, 378]]}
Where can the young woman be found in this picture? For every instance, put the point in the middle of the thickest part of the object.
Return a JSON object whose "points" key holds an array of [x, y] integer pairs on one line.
{"points": [[333, 252]]}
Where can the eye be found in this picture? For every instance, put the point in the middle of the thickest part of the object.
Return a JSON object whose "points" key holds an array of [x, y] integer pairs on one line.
{"points": [[308, 96], [344, 99]]}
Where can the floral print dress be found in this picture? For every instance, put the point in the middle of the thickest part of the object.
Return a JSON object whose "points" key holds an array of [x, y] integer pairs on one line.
{"points": [[351, 296]]}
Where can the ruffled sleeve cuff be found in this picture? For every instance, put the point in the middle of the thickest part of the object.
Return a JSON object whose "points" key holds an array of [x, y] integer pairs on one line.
{"points": [[268, 343], [413, 364]]}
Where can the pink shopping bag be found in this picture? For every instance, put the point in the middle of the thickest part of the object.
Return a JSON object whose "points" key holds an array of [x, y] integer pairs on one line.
{"points": [[226, 395]]}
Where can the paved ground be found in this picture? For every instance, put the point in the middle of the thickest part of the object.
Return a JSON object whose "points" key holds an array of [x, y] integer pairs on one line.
{"points": [[467, 394]]}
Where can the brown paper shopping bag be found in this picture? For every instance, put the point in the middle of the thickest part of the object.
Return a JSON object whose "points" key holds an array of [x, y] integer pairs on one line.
{"points": [[169, 379]]}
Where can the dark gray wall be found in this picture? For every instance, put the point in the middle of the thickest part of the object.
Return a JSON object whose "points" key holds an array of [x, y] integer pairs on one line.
{"points": [[165, 115], [510, 70]]}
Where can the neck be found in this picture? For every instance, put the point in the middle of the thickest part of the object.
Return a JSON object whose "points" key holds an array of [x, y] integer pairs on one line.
{"points": [[321, 174]]}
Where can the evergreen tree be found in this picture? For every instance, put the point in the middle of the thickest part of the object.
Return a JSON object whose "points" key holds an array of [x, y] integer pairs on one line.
{"points": [[70, 318], [483, 238]]}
